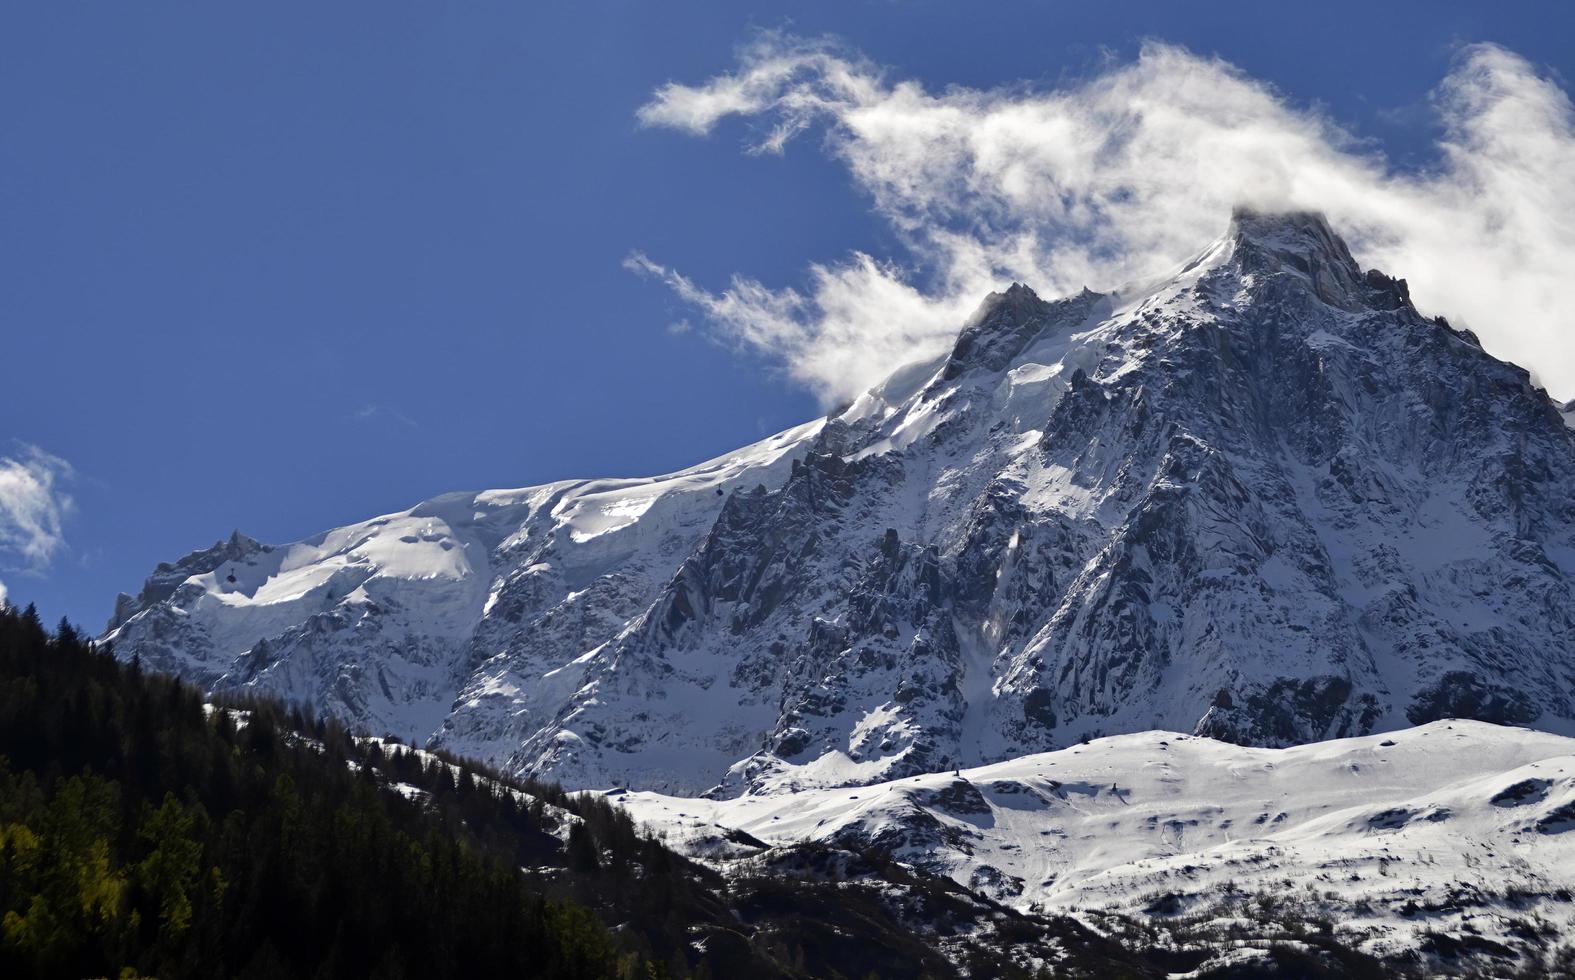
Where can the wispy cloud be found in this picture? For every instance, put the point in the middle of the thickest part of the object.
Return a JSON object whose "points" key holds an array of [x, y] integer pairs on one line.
{"points": [[33, 509], [1124, 174], [376, 413]]}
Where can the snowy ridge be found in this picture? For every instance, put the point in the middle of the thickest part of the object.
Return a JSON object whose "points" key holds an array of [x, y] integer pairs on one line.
{"points": [[1262, 498], [1455, 827]]}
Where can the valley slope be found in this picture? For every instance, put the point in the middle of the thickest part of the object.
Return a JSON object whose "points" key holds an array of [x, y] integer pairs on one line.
{"points": [[1447, 839]]}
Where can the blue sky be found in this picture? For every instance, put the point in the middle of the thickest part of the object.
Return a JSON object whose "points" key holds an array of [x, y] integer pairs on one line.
{"points": [[285, 266]]}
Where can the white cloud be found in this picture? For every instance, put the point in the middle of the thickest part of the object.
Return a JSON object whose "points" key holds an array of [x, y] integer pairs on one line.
{"points": [[858, 315], [1126, 173], [374, 412], [33, 506]]}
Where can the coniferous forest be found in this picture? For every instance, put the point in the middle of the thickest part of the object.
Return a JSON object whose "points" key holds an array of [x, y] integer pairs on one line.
{"points": [[139, 835]]}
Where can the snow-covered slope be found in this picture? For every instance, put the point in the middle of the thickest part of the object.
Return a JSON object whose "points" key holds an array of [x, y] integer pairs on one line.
{"points": [[1453, 828], [1262, 498], [383, 622]]}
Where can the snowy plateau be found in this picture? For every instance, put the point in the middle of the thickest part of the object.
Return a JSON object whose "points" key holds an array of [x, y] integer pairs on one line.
{"points": [[1248, 580]]}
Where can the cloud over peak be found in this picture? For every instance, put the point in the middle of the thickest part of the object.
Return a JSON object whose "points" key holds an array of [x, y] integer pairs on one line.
{"points": [[1124, 174]]}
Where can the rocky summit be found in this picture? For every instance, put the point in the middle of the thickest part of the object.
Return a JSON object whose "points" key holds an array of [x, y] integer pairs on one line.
{"points": [[1262, 499]]}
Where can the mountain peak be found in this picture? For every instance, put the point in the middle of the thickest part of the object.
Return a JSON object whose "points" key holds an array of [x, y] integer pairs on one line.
{"points": [[1302, 238], [1016, 298], [1303, 243], [1007, 322], [1257, 223], [169, 575]]}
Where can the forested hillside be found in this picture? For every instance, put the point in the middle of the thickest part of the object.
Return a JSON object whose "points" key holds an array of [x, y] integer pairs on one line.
{"points": [[138, 834]]}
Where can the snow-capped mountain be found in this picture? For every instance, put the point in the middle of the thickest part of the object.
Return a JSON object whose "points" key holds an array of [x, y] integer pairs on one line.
{"points": [[1262, 499]]}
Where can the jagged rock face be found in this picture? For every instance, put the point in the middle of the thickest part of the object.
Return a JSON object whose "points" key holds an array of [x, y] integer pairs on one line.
{"points": [[1265, 500]]}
